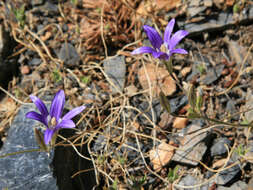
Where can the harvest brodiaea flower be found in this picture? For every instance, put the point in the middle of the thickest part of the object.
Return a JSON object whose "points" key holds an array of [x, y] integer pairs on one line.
{"points": [[163, 48], [53, 120]]}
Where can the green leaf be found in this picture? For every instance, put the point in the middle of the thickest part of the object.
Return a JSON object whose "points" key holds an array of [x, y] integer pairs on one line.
{"points": [[40, 140], [192, 96], [199, 103], [173, 174], [56, 76], [169, 65], [164, 102], [192, 114]]}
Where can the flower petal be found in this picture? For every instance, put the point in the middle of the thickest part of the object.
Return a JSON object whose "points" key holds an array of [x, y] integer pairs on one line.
{"points": [[179, 35], [160, 55], [143, 49], [153, 36], [40, 105], [48, 134], [37, 116], [168, 30], [65, 124], [57, 105], [179, 50], [73, 113]]}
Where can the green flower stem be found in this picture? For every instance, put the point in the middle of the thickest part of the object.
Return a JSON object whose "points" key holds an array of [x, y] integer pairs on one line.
{"points": [[20, 152]]}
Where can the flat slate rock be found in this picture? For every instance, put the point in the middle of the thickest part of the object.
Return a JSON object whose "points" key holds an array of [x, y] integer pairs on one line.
{"points": [[217, 21], [69, 55], [115, 68], [192, 147], [28, 170]]}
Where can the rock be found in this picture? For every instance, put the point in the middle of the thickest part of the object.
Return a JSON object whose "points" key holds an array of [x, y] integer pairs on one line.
{"points": [[208, 3], [236, 186], [230, 107], [34, 170], [192, 148], [27, 170], [35, 62], [69, 55], [195, 3], [145, 108], [214, 22], [188, 181], [115, 68], [177, 103], [193, 11], [227, 175], [37, 2], [212, 75], [218, 147], [249, 105]]}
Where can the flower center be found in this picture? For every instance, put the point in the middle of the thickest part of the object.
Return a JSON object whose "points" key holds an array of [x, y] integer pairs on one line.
{"points": [[164, 48], [53, 122]]}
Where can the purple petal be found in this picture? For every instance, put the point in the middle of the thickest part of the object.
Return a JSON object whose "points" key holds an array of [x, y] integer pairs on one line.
{"points": [[153, 36], [168, 31], [160, 55], [179, 35], [48, 134], [143, 49], [65, 124], [179, 50], [36, 116], [73, 113], [57, 105], [40, 105]]}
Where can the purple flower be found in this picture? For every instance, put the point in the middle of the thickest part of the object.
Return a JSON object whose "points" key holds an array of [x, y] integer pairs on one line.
{"points": [[162, 49], [53, 120]]}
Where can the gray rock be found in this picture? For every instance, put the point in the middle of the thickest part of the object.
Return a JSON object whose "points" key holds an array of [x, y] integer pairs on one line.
{"points": [[227, 175], [37, 2], [193, 11], [192, 147], [249, 105], [36, 170], [188, 181], [208, 3], [35, 62], [69, 55], [27, 170], [236, 186], [115, 68], [216, 22], [195, 3], [212, 75], [230, 107], [219, 147]]}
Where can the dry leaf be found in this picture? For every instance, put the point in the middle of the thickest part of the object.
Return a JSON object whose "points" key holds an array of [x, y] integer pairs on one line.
{"points": [[180, 123], [158, 78], [167, 5], [166, 119], [185, 71], [219, 163], [161, 155]]}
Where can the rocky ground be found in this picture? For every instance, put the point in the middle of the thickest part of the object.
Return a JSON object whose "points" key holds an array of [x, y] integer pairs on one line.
{"points": [[125, 139]]}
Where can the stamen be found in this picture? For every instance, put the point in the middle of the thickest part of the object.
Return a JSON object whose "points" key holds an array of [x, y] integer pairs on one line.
{"points": [[53, 122], [163, 48]]}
